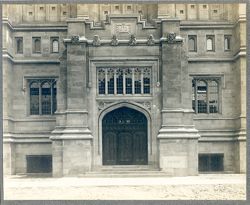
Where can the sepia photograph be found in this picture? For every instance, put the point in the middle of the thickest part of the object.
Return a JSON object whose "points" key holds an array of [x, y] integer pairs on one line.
{"points": [[124, 101]]}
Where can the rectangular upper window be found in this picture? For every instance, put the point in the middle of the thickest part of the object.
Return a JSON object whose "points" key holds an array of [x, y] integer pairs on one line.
{"points": [[227, 42], [210, 43], [192, 43], [124, 81], [54, 41], [36, 44], [19, 45], [205, 94], [42, 94]]}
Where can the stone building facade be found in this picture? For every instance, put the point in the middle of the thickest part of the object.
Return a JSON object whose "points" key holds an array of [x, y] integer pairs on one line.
{"points": [[94, 87]]}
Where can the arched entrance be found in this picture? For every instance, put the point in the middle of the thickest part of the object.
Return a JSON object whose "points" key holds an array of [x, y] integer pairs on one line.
{"points": [[124, 137]]}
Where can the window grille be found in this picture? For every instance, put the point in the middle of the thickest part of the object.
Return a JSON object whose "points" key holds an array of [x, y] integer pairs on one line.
{"points": [[205, 95], [124, 81], [42, 96]]}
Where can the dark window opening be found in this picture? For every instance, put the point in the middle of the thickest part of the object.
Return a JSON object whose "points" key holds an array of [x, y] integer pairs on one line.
{"points": [[19, 45], [39, 163], [181, 12], [211, 162]]}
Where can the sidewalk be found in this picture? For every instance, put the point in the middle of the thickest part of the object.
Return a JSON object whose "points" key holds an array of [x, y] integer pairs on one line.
{"points": [[207, 186]]}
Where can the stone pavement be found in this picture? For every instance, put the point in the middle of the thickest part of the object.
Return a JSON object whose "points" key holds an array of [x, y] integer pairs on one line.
{"points": [[206, 186]]}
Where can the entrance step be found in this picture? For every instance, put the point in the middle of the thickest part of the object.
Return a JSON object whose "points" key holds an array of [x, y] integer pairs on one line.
{"points": [[127, 171]]}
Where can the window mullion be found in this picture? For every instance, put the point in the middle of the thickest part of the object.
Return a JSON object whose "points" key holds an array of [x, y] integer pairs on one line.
{"points": [[115, 83], [40, 98], [124, 81], [106, 81], [51, 98], [196, 100], [133, 81], [142, 84], [208, 96]]}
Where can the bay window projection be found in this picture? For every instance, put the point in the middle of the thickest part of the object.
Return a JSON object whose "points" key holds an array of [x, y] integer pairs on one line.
{"points": [[124, 81]]}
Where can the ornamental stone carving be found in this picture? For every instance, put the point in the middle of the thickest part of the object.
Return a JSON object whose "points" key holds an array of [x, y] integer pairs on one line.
{"points": [[96, 41], [171, 37], [132, 40], [151, 40], [114, 41], [75, 39]]}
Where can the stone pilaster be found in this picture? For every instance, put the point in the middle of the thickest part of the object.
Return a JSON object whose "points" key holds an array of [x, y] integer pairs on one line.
{"points": [[178, 139], [72, 149]]}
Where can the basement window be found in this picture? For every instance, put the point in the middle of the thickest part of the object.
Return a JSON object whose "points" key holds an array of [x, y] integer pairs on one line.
{"points": [[211, 162], [39, 163]]}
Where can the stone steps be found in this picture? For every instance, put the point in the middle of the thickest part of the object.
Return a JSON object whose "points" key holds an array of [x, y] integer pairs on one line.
{"points": [[126, 171]]}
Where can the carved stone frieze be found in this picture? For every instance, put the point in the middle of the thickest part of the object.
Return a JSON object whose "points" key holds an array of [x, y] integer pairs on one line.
{"points": [[75, 39], [171, 37], [114, 41], [96, 41], [132, 40], [151, 40]]}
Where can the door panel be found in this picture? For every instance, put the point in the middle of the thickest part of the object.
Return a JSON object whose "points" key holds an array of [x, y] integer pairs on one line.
{"points": [[124, 137], [125, 148], [140, 148], [109, 148]]}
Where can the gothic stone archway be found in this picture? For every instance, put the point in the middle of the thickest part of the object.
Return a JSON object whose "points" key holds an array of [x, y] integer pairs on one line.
{"points": [[124, 137]]}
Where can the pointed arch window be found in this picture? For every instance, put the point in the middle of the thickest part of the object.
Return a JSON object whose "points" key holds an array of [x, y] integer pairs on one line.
{"points": [[205, 95], [42, 96]]}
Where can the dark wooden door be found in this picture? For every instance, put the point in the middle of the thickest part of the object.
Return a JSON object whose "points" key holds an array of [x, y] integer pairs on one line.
{"points": [[124, 137]]}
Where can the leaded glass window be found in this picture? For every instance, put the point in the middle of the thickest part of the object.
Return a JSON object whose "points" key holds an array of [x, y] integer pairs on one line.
{"points": [[210, 43], [205, 95], [124, 80], [34, 98], [42, 96]]}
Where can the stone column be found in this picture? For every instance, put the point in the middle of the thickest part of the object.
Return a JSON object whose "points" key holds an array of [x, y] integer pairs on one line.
{"points": [[72, 139], [178, 139]]}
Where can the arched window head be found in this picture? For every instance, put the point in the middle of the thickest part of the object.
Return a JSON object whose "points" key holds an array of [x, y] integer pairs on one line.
{"points": [[55, 46]]}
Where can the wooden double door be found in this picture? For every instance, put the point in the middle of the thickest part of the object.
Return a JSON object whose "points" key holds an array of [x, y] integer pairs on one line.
{"points": [[124, 132]]}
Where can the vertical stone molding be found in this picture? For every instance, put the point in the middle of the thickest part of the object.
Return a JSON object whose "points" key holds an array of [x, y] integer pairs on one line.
{"points": [[178, 139], [72, 140]]}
